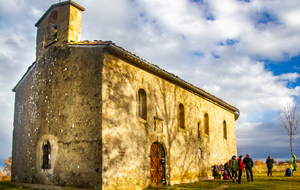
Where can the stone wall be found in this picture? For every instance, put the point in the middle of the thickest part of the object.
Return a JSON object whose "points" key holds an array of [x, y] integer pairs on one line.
{"points": [[68, 28], [84, 102], [127, 138], [59, 101]]}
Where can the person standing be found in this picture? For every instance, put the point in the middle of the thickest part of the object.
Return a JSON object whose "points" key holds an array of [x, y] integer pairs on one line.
{"points": [[241, 167], [248, 166], [269, 163], [294, 164], [234, 166]]}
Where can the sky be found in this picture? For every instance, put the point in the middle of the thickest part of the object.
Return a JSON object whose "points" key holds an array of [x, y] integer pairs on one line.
{"points": [[246, 52]]}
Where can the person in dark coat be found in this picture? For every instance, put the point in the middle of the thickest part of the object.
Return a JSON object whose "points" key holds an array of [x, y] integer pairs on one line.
{"points": [[248, 166], [269, 163]]}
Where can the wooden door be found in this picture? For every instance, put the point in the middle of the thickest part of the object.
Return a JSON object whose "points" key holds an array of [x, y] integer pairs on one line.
{"points": [[157, 164]]}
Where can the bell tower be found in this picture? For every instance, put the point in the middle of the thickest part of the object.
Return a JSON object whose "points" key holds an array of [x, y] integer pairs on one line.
{"points": [[60, 24]]}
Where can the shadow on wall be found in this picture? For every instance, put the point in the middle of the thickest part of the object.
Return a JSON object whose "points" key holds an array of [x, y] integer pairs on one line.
{"points": [[127, 141]]}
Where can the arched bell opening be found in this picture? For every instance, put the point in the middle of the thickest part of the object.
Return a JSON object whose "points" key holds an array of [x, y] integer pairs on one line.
{"points": [[52, 26]]}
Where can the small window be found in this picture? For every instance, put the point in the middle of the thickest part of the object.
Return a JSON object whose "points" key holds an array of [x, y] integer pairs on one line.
{"points": [[181, 116], [206, 124], [46, 155], [142, 107], [199, 130], [224, 130]]}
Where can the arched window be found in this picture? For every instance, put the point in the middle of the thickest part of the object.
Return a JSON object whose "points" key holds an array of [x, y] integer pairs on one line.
{"points": [[224, 130], [142, 101], [52, 26], [181, 116], [206, 124], [46, 155]]}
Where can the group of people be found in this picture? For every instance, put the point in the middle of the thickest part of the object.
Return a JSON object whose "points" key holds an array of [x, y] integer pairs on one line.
{"points": [[247, 163], [239, 165], [270, 163]]}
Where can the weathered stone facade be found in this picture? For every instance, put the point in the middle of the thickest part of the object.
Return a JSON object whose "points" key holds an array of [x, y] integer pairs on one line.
{"points": [[83, 99]]}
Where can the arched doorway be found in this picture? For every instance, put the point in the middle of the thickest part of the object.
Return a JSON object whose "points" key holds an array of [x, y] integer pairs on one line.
{"points": [[157, 164]]}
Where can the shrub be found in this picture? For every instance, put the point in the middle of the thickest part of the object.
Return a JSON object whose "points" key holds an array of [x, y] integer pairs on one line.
{"points": [[7, 170], [259, 163], [281, 163]]}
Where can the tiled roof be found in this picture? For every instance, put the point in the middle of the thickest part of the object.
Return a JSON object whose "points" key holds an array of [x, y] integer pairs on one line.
{"points": [[111, 44]]}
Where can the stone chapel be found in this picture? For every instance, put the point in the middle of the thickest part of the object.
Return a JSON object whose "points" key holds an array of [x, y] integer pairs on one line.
{"points": [[90, 114]]}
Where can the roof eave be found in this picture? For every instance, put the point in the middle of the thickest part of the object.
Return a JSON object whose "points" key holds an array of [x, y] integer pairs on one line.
{"points": [[179, 81], [23, 77], [120, 51]]}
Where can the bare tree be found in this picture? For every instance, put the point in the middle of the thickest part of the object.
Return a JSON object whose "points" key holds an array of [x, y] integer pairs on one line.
{"points": [[289, 120]]}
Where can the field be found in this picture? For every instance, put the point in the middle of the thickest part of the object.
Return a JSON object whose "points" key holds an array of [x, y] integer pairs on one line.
{"points": [[261, 181]]}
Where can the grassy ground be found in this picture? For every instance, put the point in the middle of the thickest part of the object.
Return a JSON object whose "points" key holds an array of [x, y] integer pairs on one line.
{"points": [[5, 185], [261, 181]]}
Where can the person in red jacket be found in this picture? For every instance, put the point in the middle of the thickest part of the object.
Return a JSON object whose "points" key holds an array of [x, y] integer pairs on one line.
{"points": [[241, 167]]}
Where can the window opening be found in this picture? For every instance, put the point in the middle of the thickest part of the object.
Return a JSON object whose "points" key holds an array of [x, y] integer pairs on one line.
{"points": [[198, 129], [46, 155], [181, 116], [142, 107], [206, 124], [224, 130], [52, 28]]}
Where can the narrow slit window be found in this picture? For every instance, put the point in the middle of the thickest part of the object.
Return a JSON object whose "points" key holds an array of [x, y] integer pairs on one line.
{"points": [[224, 130], [199, 130], [46, 155], [181, 116], [206, 124], [142, 104]]}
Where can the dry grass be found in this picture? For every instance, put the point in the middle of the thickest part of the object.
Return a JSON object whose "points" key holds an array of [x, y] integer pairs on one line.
{"points": [[276, 168], [261, 181]]}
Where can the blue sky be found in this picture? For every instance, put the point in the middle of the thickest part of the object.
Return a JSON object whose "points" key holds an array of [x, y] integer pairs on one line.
{"points": [[246, 52]]}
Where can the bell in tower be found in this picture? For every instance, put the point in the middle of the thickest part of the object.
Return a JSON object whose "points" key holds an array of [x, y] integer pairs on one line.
{"points": [[60, 24]]}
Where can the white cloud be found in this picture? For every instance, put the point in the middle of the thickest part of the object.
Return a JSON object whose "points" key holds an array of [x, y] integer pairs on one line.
{"points": [[12, 6], [289, 76], [212, 88]]}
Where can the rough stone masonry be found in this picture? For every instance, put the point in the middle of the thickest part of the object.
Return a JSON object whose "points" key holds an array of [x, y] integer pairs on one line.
{"points": [[93, 115]]}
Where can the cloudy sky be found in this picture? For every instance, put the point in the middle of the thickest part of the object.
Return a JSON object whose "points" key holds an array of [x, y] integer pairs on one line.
{"points": [[246, 52]]}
